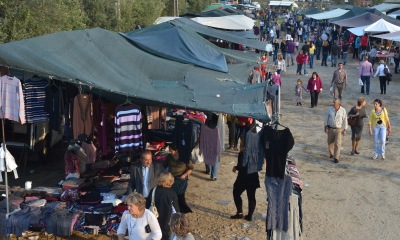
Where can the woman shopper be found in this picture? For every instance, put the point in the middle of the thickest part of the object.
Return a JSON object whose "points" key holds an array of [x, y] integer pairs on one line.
{"points": [[358, 112], [315, 87], [180, 170], [165, 200], [379, 126], [138, 221], [280, 64], [382, 77], [244, 182]]}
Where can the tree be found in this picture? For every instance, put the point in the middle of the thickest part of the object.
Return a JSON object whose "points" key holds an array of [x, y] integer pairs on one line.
{"points": [[196, 6], [30, 18]]}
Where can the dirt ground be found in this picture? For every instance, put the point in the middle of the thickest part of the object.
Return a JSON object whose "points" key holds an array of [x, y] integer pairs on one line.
{"points": [[357, 198]]}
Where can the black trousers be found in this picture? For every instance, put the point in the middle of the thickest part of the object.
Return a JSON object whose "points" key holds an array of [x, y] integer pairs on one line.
{"points": [[382, 84], [314, 98], [238, 189]]}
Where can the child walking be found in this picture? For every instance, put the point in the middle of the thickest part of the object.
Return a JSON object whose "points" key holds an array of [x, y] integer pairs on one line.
{"points": [[298, 91], [305, 63]]}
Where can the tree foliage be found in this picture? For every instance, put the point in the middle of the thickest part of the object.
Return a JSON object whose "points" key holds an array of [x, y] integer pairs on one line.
{"points": [[21, 19]]}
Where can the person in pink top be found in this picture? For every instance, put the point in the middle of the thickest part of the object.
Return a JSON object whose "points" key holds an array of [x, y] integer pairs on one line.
{"points": [[276, 78], [315, 87]]}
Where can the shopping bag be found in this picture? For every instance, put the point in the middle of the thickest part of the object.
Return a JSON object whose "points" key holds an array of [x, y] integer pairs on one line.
{"points": [[360, 82], [331, 91]]}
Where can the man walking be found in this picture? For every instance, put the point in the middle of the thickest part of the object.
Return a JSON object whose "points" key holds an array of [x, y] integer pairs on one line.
{"points": [[335, 126], [339, 81], [365, 71]]}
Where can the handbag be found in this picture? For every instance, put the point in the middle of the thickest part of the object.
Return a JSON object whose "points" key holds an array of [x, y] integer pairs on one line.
{"points": [[352, 121], [360, 82], [153, 207]]}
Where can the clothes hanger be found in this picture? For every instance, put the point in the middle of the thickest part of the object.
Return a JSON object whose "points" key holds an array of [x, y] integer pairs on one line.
{"points": [[127, 101]]}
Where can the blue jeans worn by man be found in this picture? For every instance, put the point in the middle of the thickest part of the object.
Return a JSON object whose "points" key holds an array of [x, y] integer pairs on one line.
{"points": [[366, 83]]}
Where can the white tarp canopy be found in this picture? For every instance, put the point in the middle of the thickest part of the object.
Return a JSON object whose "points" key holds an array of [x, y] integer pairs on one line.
{"points": [[395, 36], [382, 26], [283, 3], [379, 26], [231, 22], [329, 14], [384, 7], [164, 19]]}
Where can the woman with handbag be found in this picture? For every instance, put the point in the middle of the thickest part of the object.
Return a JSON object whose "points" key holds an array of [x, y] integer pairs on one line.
{"points": [[379, 126], [139, 222], [357, 114], [164, 198], [180, 171]]}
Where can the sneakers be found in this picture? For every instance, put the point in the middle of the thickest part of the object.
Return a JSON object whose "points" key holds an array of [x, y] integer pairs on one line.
{"points": [[248, 218], [383, 156], [375, 157]]}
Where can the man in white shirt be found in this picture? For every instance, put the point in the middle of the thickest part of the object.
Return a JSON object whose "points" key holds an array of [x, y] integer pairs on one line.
{"points": [[144, 174], [335, 127]]}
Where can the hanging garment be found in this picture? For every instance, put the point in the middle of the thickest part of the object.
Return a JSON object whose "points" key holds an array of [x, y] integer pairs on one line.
{"points": [[128, 128], [277, 144], [278, 193], [35, 100], [184, 138], [82, 116], [12, 104], [221, 128], [253, 153], [210, 144], [10, 164], [54, 106]]}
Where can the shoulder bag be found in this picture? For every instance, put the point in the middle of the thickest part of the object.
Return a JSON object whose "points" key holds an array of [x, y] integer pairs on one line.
{"points": [[153, 207]]}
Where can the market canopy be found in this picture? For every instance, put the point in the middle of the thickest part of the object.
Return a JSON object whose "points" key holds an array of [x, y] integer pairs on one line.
{"points": [[328, 14], [283, 3], [394, 14], [311, 10], [113, 67], [218, 34], [358, 21], [379, 26], [176, 44], [385, 7], [356, 11], [231, 22], [394, 36]]}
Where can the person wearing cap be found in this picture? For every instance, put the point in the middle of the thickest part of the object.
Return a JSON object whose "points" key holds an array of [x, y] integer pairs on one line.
{"points": [[382, 76], [335, 127], [339, 81], [379, 126]]}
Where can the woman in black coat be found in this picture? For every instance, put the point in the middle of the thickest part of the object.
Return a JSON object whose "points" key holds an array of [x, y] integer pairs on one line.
{"points": [[165, 199]]}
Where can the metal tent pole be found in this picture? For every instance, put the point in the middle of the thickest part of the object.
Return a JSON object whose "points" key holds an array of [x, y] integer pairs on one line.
{"points": [[5, 165]]}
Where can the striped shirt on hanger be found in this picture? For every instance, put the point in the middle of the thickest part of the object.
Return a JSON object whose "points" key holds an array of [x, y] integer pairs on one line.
{"points": [[128, 128]]}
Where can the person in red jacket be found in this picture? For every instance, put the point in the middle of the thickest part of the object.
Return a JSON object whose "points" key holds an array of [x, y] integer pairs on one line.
{"points": [[300, 62], [364, 42], [315, 87]]}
